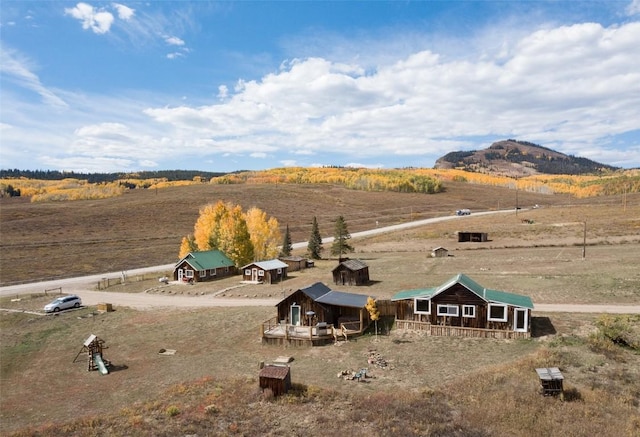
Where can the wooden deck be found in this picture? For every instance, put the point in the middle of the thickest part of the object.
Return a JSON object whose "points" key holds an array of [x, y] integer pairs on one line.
{"points": [[274, 332], [457, 331]]}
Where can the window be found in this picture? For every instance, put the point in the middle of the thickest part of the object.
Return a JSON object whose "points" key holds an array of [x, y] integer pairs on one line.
{"points": [[212, 272], [279, 271], [468, 311], [188, 273], [497, 313], [260, 272], [448, 310], [202, 273], [422, 306]]}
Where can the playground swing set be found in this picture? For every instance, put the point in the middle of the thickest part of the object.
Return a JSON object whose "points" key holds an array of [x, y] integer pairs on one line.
{"points": [[94, 346]]}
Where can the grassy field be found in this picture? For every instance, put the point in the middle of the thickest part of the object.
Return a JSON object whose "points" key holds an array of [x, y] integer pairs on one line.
{"points": [[41, 241], [433, 386]]}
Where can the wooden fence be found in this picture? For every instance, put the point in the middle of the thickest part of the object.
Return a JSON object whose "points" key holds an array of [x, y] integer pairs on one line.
{"points": [[457, 331]]}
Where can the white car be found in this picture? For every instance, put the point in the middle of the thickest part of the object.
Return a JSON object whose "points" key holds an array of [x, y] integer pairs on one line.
{"points": [[63, 303]]}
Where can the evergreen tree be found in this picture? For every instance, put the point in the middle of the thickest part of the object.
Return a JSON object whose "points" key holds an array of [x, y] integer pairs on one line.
{"points": [[340, 237], [286, 243], [315, 241]]}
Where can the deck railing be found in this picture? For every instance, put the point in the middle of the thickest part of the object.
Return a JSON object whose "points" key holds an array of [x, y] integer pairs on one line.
{"points": [[458, 331]]}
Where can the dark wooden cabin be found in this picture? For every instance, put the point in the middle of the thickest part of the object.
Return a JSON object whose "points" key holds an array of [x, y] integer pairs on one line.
{"points": [[268, 272], [275, 378], [473, 237], [201, 266], [351, 272], [462, 307], [312, 315]]}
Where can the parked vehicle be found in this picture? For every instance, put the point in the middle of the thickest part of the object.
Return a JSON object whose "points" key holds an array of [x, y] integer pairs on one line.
{"points": [[463, 212], [63, 303]]}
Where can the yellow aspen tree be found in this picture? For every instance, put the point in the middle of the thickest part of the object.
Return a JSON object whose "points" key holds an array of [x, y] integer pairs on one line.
{"points": [[187, 246], [265, 234], [207, 228], [234, 238]]}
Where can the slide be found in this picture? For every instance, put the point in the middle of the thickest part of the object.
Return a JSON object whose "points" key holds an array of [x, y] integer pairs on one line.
{"points": [[97, 359]]}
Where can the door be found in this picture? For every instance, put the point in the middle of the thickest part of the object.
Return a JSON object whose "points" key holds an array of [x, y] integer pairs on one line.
{"points": [[295, 315], [254, 274], [520, 320], [180, 274]]}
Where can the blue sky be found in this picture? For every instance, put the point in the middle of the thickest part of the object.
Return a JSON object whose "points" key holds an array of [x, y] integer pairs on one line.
{"points": [[223, 86]]}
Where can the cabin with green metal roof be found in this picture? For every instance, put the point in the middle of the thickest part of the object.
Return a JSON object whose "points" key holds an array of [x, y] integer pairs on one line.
{"points": [[206, 265], [462, 307]]}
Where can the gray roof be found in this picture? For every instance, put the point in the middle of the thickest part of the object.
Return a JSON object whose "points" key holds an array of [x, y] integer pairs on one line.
{"points": [[271, 264], [339, 298], [353, 264], [316, 290]]}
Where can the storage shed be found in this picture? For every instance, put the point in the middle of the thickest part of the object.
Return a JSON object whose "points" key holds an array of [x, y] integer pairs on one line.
{"points": [[295, 263], [473, 237], [439, 252], [275, 378], [351, 272]]}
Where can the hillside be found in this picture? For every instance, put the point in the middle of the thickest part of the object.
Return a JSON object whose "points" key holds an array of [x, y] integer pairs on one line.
{"points": [[520, 158]]}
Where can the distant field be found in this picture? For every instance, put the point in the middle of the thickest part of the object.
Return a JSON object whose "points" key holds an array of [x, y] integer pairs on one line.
{"points": [[41, 241]]}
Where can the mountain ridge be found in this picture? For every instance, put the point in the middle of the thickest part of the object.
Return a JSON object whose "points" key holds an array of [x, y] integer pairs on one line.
{"points": [[520, 158]]}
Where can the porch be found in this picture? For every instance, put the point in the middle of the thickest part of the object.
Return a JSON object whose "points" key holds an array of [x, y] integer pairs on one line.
{"points": [[458, 331], [278, 332]]}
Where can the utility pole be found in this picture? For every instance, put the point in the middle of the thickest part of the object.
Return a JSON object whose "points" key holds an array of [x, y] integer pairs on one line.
{"points": [[584, 241]]}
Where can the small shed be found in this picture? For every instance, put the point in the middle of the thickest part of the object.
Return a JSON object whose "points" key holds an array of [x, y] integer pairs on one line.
{"points": [[551, 381], [351, 272], [275, 378], [295, 263], [439, 252], [473, 237], [269, 272]]}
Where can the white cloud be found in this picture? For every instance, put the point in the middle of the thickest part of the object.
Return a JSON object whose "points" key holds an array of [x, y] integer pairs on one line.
{"points": [[576, 84], [124, 12], [99, 21], [174, 41], [174, 55], [633, 8], [18, 69]]}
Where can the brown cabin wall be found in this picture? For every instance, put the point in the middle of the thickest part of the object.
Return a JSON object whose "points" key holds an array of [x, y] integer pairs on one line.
{"points": [[344, 276]]}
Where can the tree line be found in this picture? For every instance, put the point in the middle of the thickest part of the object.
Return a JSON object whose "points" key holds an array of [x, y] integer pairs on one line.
{"points": [[94, 178], [251, 236]]}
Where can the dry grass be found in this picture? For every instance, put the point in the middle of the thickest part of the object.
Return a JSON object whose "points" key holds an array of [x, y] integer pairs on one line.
{"points": [[435, 387]]}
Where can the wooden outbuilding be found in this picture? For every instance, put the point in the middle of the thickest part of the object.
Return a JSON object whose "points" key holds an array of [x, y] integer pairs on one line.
{"points": [[473, 237], [462, 307], [205, 265], [275, 378], [295, 263], [439, 252], [551, 381], [351, 272], [268, 272]]}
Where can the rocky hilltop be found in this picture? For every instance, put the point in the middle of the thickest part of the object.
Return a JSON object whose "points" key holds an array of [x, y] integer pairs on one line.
{"points": [[520, 158]]}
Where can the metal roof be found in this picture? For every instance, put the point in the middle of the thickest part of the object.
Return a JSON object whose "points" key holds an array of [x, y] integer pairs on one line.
{"points": [[207, 259], [411, 294], [484, 293], [271, 264], [316, 290], [353, 264], [339, 298]]}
